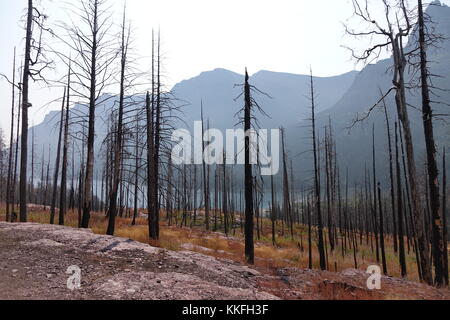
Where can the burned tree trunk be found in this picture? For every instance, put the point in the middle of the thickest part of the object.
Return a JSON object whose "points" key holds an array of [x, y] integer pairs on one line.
{"points": [[444, 216], [25, 106], [205, 176], [317, 199], [154, 225], [249, 223], [58, 158], [9, 190], [433, 173], [374, 207], [401, 236], [63, 196], [273, 215], [391, 176], [286, 195], [400, 98], [112, 213], [383, 252], [89, 174]]}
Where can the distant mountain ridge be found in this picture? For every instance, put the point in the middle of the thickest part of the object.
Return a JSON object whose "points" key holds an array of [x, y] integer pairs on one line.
{"points": [[339, 98]]}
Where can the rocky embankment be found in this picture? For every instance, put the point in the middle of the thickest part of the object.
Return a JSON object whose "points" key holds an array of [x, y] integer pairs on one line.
{"points": [[34, 261]]}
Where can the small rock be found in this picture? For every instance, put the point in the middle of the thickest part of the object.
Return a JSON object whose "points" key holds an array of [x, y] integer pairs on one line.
{"points": [[15, 271]]}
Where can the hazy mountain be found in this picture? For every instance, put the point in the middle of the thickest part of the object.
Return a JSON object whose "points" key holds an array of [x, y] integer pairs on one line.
{"points": [[354, 147], [281, 97], [340, 98], [217, 89]]}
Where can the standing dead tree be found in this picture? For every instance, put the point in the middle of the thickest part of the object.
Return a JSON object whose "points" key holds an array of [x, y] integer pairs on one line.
{"points": [[391, 35], [9, 190], [57, 162], [35, 63], [444, 215], [112, 213], [317, 200], [249, 223], [401, 238], [206, 192], [250, 122], [63, 195], [93, 50], [391, 174], [433, 172]]}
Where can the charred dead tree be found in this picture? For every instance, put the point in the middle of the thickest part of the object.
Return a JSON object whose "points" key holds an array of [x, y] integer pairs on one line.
{"points": [[118, 146], [225, 197], [308, 209], [33, 67], [382, 245], [329, 176], [9, 189], [14, 205], [25, 106], [65, 160], [317, 198], [395, 33], [391, 176], [401, 237], [206, 192], [287, 208], [93, 49], [154, 143], [57, 162], [137, 165], [273, 214], [249, 223], [375, 202], [433, 172], [444, 216]]}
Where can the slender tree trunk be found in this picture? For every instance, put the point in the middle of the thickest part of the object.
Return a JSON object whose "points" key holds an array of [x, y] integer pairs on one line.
{"points": [[273, 212], [9, 190], [155, 226], [391, 175], [63, 201], [375, 214], [383, 252], [25, 106], [58, 158], [205, 176], [309, 236], [317, 200], [136, 172], [400, 63], [89, 174], [112, 213], [249, 223], [433, 173], [286, 196], [444, 216], [401, 236], [16, 159]]}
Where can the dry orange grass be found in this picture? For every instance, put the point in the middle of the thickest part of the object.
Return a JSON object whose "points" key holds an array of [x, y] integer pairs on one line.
{"points": [[288, 252]]}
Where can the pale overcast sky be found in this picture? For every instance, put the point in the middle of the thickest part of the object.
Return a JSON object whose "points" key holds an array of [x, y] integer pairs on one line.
{"points": [[201, 35]]}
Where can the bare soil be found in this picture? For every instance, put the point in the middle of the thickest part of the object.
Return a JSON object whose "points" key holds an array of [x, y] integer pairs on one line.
{"points": [[34, 259]]}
